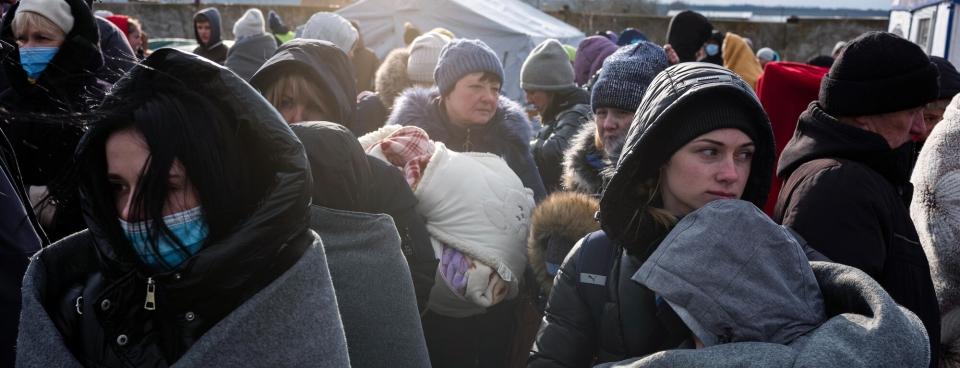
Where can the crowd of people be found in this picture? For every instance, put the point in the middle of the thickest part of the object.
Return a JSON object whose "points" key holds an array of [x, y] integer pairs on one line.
{"points": [[292, 201]]}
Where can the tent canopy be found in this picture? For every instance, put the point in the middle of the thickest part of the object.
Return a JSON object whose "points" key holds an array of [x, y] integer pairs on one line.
{"points": [[510, 27]]}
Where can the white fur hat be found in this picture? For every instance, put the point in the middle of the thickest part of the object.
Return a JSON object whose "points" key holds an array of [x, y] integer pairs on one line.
{"points": [[331, 27], [57, 11], [250, 24]]}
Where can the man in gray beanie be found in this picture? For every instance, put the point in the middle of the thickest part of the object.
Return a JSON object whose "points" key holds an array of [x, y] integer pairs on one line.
{"points": [[547, 80], [846, 170]]}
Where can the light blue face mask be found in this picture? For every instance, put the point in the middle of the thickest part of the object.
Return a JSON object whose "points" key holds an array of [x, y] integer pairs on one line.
{"points": [[34, 60], [712, 49], [188, 226]]}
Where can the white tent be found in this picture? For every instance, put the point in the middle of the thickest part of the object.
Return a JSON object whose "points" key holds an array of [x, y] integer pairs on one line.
{"points": [[510, 27]]}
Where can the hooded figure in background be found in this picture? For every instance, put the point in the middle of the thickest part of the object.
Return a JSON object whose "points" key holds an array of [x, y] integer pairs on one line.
{"points": [[591, 53], [713, 49], [935, 211], [206, 27], [760, 303], [317, 79], [50, 77], [360, 206], [253, 46]]}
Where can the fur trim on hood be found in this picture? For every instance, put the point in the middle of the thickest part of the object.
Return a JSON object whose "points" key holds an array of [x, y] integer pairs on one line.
{"points": [[578, 174], [561, 220], [391, 78]]}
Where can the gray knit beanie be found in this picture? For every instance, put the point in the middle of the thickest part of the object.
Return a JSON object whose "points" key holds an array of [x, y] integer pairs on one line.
{"points": [[547, 68], [626, 75], [461, 57]]}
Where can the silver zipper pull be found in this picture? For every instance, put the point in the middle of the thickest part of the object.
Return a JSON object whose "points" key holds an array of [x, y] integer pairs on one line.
{"points": [[151, 302]]}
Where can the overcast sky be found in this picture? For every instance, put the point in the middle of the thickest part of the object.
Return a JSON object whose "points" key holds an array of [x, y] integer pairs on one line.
{"points": [[854, 4]]}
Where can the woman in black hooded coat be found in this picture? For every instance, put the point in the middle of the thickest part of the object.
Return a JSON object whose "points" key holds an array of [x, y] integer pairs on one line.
{"points": [[43, 144]]}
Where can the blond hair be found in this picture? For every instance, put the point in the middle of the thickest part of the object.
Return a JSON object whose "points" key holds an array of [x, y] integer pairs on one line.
{"points": [[296, 85], [25, 21]]}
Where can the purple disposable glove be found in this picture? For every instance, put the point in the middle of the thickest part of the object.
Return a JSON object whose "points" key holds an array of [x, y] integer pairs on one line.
{"points": [[453, 268]]}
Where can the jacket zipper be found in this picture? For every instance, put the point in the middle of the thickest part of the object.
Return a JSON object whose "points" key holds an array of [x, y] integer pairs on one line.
{"points": [[151, 302]]}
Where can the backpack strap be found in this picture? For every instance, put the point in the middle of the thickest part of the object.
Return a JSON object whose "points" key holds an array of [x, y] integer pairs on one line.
{"points": [[594, 264]]}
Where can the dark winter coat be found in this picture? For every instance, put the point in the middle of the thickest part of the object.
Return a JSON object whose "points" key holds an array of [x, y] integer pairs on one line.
{"points": [[248, 54], [84, 296], [844, 191], [20, 238], [568, 111], [365, 64], [215, 50], [373, 109], [118, 57], [353, 181], [583, 163], [321, 63], [43, 137], [373, 287], [506, 135], [760, 303], [632, 323]]}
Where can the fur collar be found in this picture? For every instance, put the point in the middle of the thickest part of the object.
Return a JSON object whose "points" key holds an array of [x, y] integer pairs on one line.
{"points": [[564, 217], [391, 78], [578, 174], [420, 107]]}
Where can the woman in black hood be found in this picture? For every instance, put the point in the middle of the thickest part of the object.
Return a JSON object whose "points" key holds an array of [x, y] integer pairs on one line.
{"points": [[699, 134], [309, 80], [196, 195]]}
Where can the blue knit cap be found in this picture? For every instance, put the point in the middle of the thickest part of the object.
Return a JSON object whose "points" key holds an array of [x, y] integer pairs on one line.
{"points": [[626, 75], [461, 57]]}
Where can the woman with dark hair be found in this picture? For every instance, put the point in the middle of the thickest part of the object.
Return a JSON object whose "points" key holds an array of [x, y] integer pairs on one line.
{"points": [[196, 195], [698, 135]]}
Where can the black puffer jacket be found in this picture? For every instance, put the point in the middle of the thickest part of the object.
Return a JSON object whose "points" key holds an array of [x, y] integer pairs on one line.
{"points": [[631, 323], [44, 137], [92, 286], [320, 62], [350, 180], [845, 191], [568, 111]]}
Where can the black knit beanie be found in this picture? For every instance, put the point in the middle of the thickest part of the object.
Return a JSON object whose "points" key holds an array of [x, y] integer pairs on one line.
{"points": [[687, 32], [877, 73], [699, 115], [949, 78]]}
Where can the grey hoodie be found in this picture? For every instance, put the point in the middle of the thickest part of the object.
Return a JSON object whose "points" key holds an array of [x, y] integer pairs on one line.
{"points": [[743, 285]]}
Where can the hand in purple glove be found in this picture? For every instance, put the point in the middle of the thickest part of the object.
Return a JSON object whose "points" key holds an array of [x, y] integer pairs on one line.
{"points": [[453, 268]]}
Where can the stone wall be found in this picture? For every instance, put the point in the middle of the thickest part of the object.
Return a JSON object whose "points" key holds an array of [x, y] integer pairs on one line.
{"points": [[797, 40]]}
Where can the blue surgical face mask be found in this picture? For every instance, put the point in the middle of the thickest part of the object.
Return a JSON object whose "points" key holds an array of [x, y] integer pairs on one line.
{"points": [[712, 49], [34, 60], [188, 226]]}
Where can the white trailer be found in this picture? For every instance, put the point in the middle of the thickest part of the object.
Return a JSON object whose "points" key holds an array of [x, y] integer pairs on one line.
{"points": [[932, 24]]}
